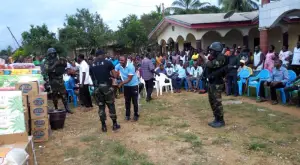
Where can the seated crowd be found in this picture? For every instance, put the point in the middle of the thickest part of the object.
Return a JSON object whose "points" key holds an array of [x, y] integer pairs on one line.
{"points": [[187, 68]]}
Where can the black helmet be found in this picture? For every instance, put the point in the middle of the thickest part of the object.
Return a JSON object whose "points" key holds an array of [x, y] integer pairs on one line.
{"points": [[51, 50], [216, 46]]}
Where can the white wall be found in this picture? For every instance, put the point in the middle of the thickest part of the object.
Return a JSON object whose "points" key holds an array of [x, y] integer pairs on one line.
{"points": [[269, 14], [294, 32]]}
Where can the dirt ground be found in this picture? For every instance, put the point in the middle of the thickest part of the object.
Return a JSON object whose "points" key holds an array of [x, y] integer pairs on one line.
{"points": [[173, 130]]}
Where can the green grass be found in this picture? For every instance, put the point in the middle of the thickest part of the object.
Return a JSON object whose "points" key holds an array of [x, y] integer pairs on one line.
{"points": [[191, 138], [71, 152], [220, 140], [156, 121], [181, 125], [257, 146], [114, 153], [88, 138], [281, 122]]}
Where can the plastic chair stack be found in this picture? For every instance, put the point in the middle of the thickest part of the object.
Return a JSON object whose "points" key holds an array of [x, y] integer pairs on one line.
{"points": [[162, 83], [292, 77], [244, 75], [256, 81], [71, 92]]}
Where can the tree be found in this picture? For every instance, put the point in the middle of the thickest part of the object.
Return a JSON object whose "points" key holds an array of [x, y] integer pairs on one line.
{"points": [[131, 33], [84, 30], [38, 39], [210, 9], [239, 5], [186, 6]]}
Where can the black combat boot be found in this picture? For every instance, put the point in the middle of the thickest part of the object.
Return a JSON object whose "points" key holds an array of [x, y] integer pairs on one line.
{"points": [[116, 126], [219, 123], [67, 108], [104, 128], [212, 122]]}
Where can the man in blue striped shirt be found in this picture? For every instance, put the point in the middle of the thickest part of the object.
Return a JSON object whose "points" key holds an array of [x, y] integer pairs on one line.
{"points": [[278, 79]]}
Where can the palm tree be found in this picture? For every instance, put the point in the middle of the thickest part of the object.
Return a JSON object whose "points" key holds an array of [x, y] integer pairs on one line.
{"points": [[239, 5], [186, 6]]}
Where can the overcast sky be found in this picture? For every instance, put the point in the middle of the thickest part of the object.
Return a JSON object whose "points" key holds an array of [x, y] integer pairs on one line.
{"points": [[20, 14]]}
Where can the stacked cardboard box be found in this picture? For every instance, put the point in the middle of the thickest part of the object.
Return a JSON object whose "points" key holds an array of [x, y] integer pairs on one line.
{"points": [[36, 102], [39, 117]]}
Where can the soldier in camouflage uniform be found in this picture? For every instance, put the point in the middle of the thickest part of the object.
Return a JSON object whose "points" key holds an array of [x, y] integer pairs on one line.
{"points": [[101, 72], [53, 70], [215, 69]]}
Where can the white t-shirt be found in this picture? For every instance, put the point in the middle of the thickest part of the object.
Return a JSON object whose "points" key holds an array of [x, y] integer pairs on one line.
{"points": [[257, 60], [169, 71], [182, 58], [284, 55], [84, 67], [196, 72]]}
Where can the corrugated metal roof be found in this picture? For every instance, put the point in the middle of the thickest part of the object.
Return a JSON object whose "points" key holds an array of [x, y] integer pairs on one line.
{"points": [[212, 18]]}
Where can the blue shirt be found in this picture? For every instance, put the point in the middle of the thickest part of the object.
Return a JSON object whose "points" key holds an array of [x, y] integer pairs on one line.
{"points": [[115, 62], [127, 71], [279, 75], [181, 72]]}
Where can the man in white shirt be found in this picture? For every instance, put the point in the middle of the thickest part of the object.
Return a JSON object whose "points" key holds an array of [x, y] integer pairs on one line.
{"points": [[84, 82], [296, 59], [258, 59], [284, 56], [196, 72]]}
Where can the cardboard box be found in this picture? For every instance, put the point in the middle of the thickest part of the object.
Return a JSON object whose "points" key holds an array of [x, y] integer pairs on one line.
{"points": [[27, 146], [37, 124], [37, 112], [28, 88], [41, 135], [25, 100], [38, 100]]}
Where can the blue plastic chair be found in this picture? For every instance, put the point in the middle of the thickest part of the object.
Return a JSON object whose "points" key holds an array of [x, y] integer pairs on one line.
{"points": [[69, 88], [292, 77], [244, 75], [255, 81]]}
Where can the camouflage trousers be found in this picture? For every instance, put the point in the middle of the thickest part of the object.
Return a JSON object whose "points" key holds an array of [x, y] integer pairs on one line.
{"points": [[104, 95], [58, 92], [215, 99]]}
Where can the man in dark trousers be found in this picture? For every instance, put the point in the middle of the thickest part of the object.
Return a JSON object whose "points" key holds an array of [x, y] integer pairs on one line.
{"points": [[233, 65], [84, 83], [216, 66], [147, 69], [131, 86], [100, 72]]}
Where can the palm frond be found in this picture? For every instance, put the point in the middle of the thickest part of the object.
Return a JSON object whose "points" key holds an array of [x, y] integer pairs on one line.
{"points": [[196, 4], [179, 3], [253, 4]]}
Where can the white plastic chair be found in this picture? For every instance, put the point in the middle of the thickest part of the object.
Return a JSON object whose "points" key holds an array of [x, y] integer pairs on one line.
{"points": [[162, 83], [156, 86], [143, 82]]}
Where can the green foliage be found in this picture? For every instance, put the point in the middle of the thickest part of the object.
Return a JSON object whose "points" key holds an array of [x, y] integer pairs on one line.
{"points": [[239, 5], [186, 6], [131, 33], [18, 53], [84, 30], [38, 39]]}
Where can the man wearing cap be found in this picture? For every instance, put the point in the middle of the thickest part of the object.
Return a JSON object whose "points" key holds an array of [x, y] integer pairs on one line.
{"points": [[101, 71]]}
